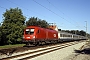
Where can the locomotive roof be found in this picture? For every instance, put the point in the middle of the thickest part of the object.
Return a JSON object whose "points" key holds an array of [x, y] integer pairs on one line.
{"points": [[38, 27]]}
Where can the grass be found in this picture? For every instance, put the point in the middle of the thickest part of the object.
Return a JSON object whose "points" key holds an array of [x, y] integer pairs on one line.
{"points": [[11, 46]]}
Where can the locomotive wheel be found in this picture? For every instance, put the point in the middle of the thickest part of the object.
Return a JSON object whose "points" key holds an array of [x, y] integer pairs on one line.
{"points": [[51, 42], [42, 43], [29, 45], [55, 42], [36, 43]]}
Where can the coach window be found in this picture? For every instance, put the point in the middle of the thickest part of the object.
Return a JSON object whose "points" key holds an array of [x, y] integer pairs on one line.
{"points": [[61, 35], [70, 35]]}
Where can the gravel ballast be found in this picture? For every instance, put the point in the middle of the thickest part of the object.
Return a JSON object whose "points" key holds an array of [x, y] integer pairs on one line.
{"points": [[80, 51], [83, 54], [60, 54]]}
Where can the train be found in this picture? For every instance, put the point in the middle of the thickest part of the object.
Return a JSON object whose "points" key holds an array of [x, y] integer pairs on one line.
{"points": [[35, 35]]}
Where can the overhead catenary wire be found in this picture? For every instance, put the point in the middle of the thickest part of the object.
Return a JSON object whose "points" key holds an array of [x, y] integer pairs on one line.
{"points": [[26, 9], [22, 7], [39, 13], [13, 3], [63, 13], [33, 11], [53, 12], [2, 7]]}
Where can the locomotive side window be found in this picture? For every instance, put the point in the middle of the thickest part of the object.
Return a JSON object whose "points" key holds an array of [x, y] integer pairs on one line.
{"points": [[38, 31], [29, 31]]}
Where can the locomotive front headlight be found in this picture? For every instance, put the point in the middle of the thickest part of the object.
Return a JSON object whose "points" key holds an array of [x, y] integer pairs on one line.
{"points": [[23, 37], [28, 37], [33, 36]]}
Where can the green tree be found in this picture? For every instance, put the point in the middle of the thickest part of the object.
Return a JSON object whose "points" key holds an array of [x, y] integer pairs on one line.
{"points": [[88, 35], [59, 29], [83, 33], [0, 35], [67, 31], [37, 22], [43, 23], [31, 21], [13, 25]]}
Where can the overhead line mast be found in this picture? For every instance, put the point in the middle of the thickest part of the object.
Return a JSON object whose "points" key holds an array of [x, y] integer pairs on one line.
{"points": [[86, 28]]}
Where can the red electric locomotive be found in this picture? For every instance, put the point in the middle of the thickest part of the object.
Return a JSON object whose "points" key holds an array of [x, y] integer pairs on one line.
{"points": [[37, 35]]}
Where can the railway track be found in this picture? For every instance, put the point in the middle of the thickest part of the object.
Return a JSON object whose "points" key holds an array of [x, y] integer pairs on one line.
{"points": [[40, 51]]}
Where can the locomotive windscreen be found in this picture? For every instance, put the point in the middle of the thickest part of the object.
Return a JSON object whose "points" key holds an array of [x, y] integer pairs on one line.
{"points": [[29, 31]]}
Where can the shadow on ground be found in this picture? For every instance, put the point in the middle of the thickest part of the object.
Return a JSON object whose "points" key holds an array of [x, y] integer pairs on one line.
{"points": [[84, 51], [7, 51]]}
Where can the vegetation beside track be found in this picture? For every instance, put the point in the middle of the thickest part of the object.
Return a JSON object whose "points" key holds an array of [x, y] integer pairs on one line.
{"points": [[11, 46]]}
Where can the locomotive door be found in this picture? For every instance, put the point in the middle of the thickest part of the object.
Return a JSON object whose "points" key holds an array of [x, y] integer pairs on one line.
{"points": [[46, 35]]}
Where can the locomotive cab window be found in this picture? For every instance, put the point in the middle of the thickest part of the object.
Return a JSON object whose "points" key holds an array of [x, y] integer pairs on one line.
{"points": [[29, 31], [38, 31]]}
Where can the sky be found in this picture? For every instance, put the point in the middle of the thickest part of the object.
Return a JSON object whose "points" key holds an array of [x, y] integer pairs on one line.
{"points": [[66, 14]]}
